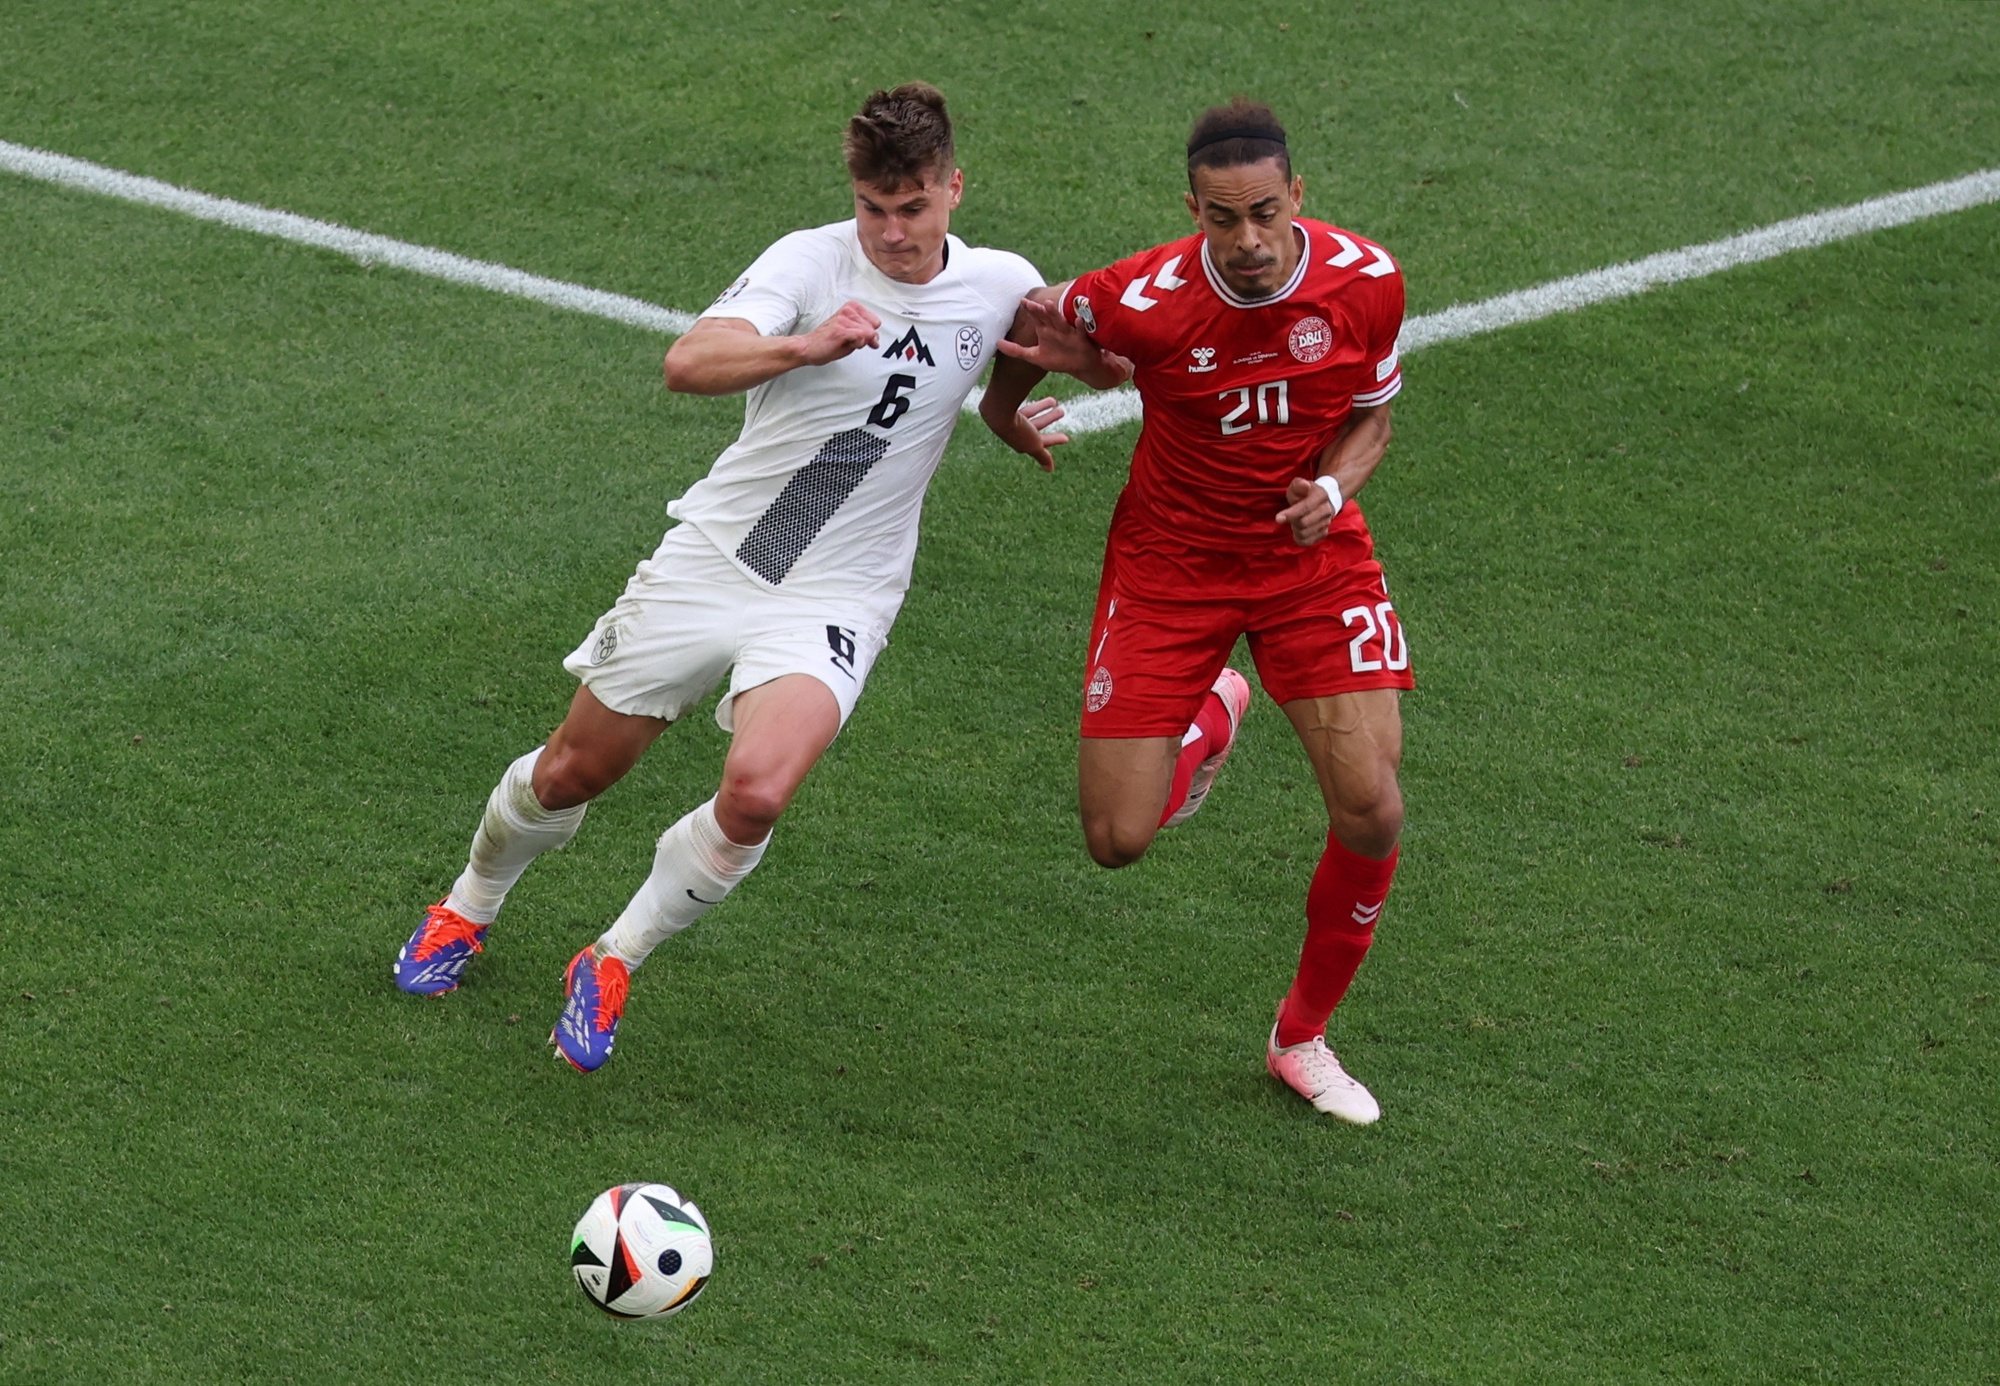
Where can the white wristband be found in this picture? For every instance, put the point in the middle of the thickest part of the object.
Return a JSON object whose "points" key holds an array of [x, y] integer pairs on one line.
{"points": [[1332, 489]]}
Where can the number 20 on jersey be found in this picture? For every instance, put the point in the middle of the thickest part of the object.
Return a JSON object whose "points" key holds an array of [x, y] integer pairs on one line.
{"points": [[1272, 400]]}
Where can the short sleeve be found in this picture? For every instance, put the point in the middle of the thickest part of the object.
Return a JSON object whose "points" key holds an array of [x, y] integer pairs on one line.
{"points": [[1118, 306], [778, 290], [1382, 324], [1023, 277], [1004, 279]]}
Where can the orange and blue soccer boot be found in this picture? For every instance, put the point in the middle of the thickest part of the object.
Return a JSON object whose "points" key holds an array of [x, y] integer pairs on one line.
{"points": [[438, 951], [589, 1021]]}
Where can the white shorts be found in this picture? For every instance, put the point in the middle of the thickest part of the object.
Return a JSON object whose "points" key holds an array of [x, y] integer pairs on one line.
{"points": [[688, 616]]}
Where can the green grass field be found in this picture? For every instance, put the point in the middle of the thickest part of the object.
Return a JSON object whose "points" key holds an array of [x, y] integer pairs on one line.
{"points": [[1681, 1014]]}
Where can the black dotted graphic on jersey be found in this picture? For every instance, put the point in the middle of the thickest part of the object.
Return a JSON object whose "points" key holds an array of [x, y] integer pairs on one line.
{"points": [[783, 532]]}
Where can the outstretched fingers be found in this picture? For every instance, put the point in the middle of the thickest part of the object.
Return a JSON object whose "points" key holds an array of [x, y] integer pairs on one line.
{"points": [[1041, 413]]}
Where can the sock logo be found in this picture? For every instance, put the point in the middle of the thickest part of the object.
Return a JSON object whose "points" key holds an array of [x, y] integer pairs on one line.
{"points": [[1365, 915], [699, 901]]}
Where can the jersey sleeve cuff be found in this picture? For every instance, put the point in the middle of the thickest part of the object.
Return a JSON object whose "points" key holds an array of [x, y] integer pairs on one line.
{"points": [[1382, 395]]}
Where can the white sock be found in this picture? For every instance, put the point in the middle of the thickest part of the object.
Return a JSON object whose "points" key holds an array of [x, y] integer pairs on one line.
{"points": [[693, 868], [514, 831]]}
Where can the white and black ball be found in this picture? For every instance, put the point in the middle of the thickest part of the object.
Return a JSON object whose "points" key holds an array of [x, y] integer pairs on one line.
{"points": [[641, 1251]]}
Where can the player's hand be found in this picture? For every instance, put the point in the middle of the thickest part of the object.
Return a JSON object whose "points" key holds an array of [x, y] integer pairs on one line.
{"points": [[1042, 337], [1027, 433], [847, 331], [1309, 512]]}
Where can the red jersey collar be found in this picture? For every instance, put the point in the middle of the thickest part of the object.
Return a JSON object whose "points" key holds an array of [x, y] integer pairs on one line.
{"points": [[1236, 300]]}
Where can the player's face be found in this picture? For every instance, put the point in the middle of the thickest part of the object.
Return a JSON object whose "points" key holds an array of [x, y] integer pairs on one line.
{"points": [[1246, 214], [903, 229]]}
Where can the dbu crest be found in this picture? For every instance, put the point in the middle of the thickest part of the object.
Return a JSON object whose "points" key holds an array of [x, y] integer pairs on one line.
{"points": [[1311, 339], [1099, 692]]}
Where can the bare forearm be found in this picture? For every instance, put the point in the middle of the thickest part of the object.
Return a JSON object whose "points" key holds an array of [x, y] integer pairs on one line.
{"points": [[1013, 380], [1111, 371], [727, 363], [1351, 458]]}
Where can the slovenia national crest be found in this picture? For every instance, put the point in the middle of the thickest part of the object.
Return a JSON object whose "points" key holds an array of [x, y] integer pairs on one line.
{"points": [[606, 646]]}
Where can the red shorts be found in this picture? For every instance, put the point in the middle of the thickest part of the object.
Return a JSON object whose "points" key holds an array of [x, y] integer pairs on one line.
{"points": [[1164, 630]]}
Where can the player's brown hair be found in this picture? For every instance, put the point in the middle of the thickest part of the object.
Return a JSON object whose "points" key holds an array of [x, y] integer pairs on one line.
{"points": [[900, 138], [1243, 132]]}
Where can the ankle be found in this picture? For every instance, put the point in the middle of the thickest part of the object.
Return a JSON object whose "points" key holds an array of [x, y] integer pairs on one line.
{"points": [[1295, 1027]]}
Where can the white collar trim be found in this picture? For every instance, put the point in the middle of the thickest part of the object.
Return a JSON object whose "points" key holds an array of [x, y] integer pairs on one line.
{"points": [[1236, 300]]}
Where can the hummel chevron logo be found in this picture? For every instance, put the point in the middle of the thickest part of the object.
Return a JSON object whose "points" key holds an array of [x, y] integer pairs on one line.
{"points": [[1166, 281], [1367, 914], [1350, 252]]}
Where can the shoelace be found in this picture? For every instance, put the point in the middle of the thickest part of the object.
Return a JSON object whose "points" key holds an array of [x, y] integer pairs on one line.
{"points": [[1324, 1065], [442, 928], [613, 983]]}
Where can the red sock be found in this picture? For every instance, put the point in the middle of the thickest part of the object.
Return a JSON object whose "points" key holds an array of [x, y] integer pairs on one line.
{"points": [[1341, 909], [1211, 728]]}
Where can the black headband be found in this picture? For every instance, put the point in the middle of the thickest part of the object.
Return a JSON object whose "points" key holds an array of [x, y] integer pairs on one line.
{"points": [[1238, 132]]}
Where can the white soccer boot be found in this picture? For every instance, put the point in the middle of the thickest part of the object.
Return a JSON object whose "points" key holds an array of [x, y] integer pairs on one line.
{"points": [[1313, 1072], [1234, 690]]}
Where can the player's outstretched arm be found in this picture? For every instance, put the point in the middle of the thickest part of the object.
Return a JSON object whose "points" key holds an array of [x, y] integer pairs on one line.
{"points": [[1043, 337], [724, 356], [1014, 420], [1344, 468]]}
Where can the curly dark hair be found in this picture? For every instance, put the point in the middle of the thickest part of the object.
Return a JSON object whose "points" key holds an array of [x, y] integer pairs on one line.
{"points": [[1254, 136]]}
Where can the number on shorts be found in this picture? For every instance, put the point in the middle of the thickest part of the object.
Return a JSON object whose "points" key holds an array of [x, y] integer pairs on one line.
{"points": [[1379, 619], [841, 641]]}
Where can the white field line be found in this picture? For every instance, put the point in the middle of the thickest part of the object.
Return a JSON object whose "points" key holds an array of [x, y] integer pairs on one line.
{"points": [[355, 245], [1090, 413]]}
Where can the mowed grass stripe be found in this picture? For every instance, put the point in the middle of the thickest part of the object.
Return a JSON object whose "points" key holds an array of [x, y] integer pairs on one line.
{"points": [[1091, 413]]}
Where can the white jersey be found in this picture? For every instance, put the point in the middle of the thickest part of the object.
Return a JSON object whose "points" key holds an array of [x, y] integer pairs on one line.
{"points": [[821, 492]]}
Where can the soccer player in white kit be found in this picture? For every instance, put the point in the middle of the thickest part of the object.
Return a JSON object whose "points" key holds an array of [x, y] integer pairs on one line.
{"points": [[858, 343]]}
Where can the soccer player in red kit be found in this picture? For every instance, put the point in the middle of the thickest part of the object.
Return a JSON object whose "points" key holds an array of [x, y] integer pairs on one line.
{"points": [[1264, 351]]}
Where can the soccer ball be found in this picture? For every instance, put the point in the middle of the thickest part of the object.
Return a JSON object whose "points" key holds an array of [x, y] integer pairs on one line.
{"points": [[641, 1251]]}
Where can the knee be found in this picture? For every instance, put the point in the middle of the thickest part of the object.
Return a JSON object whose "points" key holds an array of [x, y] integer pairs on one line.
{"points": [[565, 777], [1112, 844], [750, 803], [1373, 825]]}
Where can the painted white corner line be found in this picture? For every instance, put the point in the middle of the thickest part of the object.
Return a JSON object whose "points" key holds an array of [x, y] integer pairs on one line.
{"points": [[1697, 261], [1089, 413], [355, 245]]}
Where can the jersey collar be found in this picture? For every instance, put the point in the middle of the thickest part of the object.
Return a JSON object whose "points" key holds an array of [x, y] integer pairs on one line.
{"points": [[1236, 300], [954, 261]]}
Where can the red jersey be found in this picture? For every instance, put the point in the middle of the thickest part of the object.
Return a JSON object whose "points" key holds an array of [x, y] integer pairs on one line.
{"points": [[1241, 395]]}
